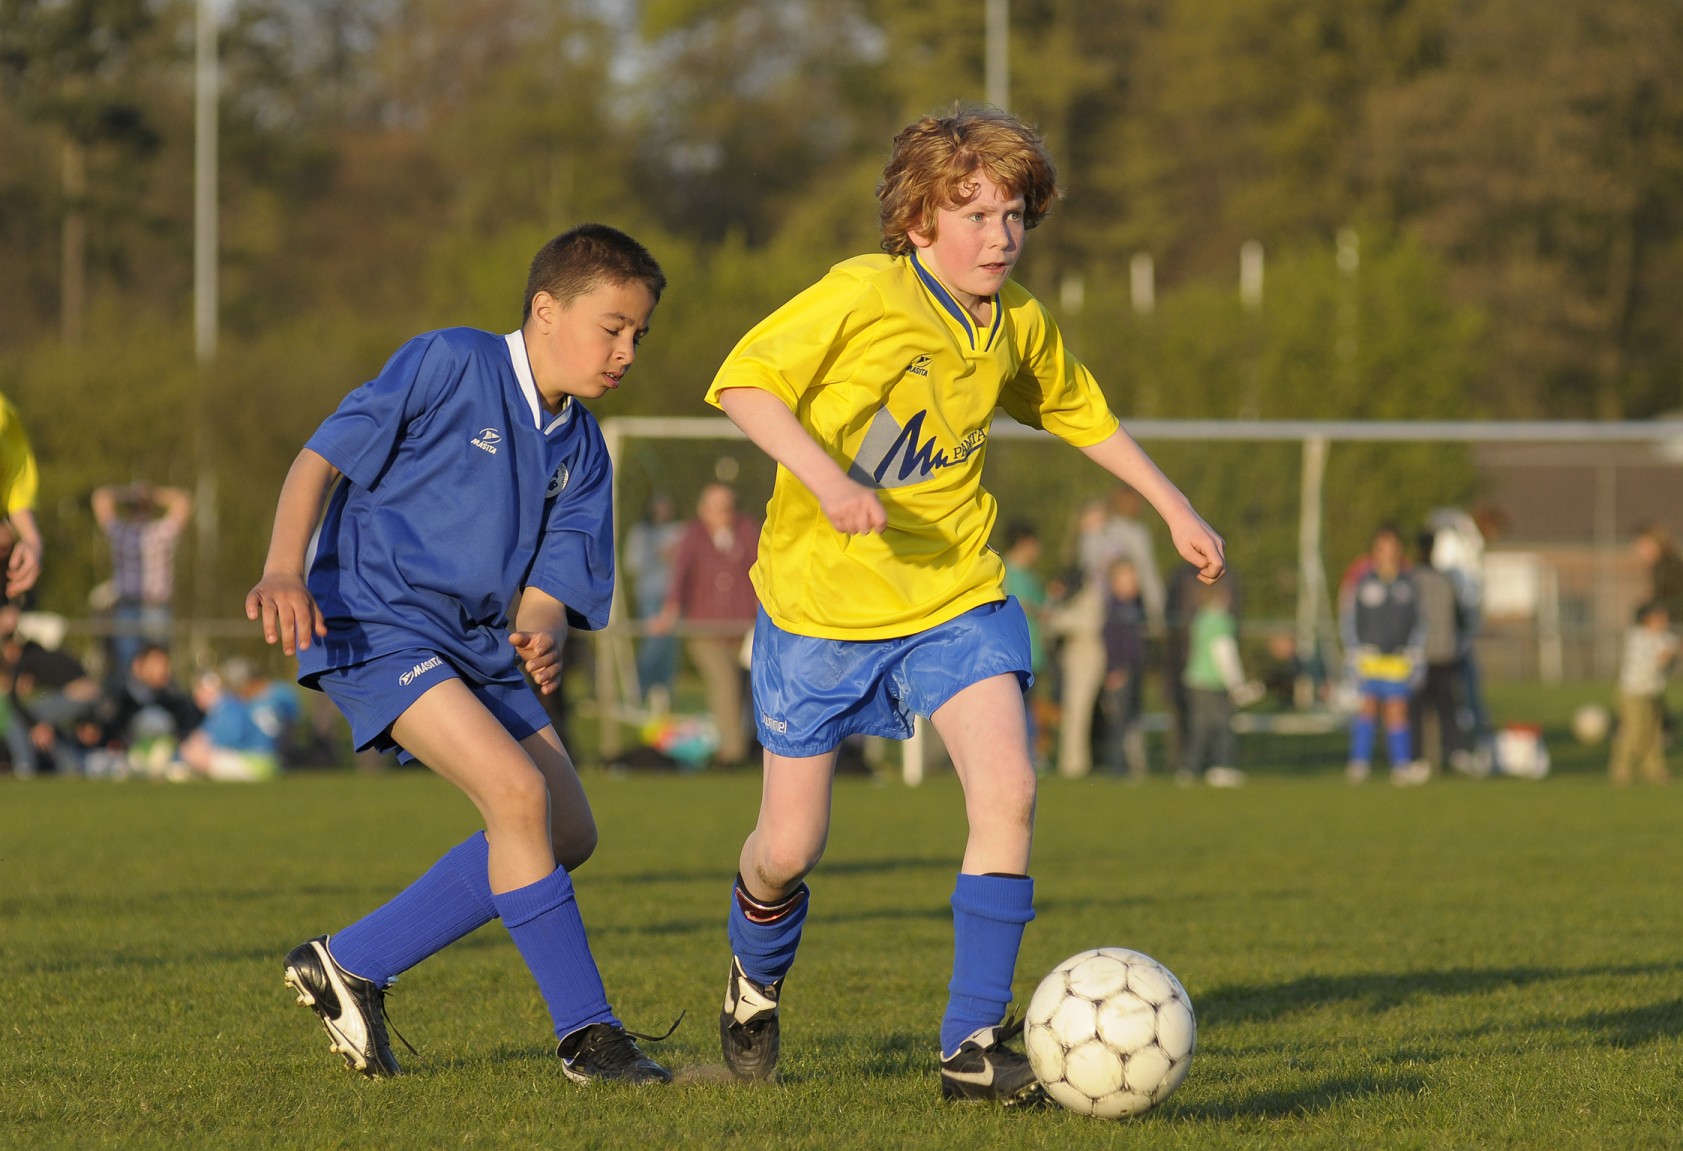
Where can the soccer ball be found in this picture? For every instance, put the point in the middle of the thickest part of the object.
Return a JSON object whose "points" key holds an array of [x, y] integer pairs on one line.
{"points": [[1590, 723], [1110, 1033]]}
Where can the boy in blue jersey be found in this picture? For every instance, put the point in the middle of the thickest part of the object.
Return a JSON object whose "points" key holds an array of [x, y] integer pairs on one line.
{"points": [[470, 526], [874, 391]]}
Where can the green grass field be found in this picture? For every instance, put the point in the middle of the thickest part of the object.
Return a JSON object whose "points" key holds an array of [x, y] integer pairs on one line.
{"points": [[1465, 965]]}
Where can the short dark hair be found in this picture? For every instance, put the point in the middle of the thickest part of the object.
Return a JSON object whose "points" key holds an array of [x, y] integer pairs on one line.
{"points": [[581, 258]]}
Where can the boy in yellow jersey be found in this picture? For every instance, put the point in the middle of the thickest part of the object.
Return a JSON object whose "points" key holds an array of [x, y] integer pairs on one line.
{"points": [[874, 391]]}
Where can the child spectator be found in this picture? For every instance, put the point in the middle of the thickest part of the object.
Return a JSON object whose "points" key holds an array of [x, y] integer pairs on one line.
{"points": [[145, 718], [1650, 648], [470, 524], [1379, 616], [246, 719], [874, 390], [1215, 682], [1441, 653], [52, 701], [1124, 650]]}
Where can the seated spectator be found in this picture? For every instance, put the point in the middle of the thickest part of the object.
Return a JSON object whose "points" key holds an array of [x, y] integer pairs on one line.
{"points": [[51, 700], [246, 721], [145, 719]]}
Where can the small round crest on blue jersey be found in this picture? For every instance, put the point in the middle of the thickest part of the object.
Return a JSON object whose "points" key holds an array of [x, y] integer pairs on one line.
{"points": [[558, 482]]}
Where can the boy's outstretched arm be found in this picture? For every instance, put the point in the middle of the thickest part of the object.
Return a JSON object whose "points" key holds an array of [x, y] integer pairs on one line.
{"points": [[289, 613], [540, 629], [850, 506], [1195, 540]]}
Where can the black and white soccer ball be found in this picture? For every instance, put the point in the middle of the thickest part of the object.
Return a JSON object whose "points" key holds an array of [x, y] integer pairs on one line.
{"points": [[1110, 1032]]}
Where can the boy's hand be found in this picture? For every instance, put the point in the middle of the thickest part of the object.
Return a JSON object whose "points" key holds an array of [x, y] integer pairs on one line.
{"points": [[1199, 546], [289, 612], [541, 656], [23, 567], [853, 508]]}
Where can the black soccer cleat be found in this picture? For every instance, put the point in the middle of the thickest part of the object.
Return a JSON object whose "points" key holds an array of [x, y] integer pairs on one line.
{"points": [[748, 1026], [353, 1009], [984, 1070], [608, 1053]]}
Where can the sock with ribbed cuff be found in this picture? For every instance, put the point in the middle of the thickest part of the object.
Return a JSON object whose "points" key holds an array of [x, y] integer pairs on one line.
{"points": [[989, 915], [544, 920], [452, 899]]}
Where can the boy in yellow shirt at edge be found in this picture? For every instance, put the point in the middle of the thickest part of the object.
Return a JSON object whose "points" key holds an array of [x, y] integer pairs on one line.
{"points": [[874, 391]]}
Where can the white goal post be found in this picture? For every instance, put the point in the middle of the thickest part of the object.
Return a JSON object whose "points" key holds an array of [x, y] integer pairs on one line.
{"points": [[615, 674]]}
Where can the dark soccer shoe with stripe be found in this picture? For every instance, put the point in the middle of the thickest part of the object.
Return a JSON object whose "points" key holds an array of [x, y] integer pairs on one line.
{"points": [[352, 1008], [748, 1030], [606, 1052], [984, 1070]]}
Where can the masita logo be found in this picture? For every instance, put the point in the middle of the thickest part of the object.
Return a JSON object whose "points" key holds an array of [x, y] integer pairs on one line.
{"points": [[487, 440], [419, 669], [920, 365]]}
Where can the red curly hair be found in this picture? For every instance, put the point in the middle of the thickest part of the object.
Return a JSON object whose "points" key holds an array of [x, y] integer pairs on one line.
{"points": [[933, 161]]}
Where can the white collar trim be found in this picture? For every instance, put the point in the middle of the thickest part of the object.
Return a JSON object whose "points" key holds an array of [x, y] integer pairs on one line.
{"points": [[516, 341]]}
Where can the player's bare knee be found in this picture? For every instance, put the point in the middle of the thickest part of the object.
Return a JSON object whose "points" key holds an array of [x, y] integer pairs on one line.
{"points": [[781, 868], [574, 841]]}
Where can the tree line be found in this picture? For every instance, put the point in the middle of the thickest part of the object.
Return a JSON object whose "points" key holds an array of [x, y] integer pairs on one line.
{"points": [[1465, 209]]}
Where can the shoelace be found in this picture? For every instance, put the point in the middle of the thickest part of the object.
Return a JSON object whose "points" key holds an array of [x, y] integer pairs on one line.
{"points": [[617, 1046], [386, 1015]]}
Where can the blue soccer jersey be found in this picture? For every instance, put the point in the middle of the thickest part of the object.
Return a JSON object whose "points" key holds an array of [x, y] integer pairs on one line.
{"points": [[458, 490]]}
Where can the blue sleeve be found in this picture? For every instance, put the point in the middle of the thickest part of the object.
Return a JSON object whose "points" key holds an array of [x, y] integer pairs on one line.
{"points": [[363, 435], [575, 560]]}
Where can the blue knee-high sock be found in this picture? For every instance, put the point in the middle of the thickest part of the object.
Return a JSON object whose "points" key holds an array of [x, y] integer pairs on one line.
{"points": [[766, 945], [452, 899], [544, 920], [1399, 745], [1361, 739], [989, 914]]}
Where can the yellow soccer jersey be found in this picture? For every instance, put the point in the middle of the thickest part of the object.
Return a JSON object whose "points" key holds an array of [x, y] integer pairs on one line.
{"points": [[886, 370], [18, 479]]}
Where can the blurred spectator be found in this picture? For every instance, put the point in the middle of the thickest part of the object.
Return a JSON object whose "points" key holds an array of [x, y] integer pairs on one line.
{"points": [[1284, 670], [20, 542], [650, 547], [1215, 684], [1664, 567], [52, 700], [1182, 600], [1442, 650], [1382, 629], [143, 524], [1124, 647], [1458, 543], [1021, 555], [1105, 531], [1650, 648], [711, 590], [144, 718], [246, 722]]}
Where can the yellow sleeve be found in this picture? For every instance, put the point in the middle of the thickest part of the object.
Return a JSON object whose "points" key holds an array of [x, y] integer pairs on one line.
{"points": [[810, 339], [1053, 390], [18, 477]]}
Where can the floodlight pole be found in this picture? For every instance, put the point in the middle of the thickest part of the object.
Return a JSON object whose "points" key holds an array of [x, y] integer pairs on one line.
{"points": [[206, 95], [998, 80], [206, 89]]}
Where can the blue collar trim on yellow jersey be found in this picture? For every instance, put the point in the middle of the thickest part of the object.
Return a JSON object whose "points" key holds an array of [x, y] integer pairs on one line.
{"points": [[955, 309]]}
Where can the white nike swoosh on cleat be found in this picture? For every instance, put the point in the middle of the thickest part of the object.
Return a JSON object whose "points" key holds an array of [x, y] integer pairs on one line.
{"points": [[982, 1078]]}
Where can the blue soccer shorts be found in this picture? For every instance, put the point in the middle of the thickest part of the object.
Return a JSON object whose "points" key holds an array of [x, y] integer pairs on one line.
{"points": [[810, 694], [372, 695]]}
